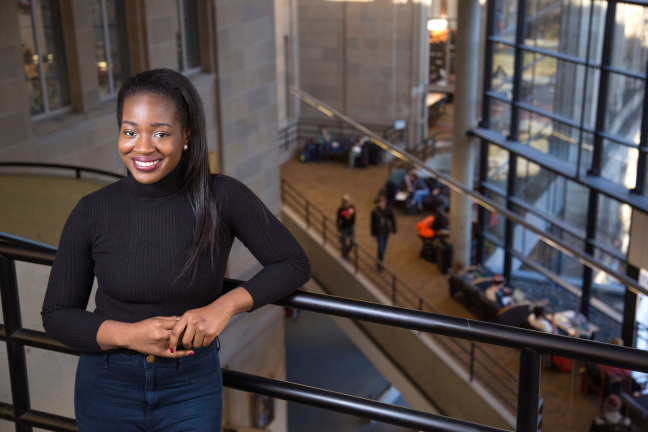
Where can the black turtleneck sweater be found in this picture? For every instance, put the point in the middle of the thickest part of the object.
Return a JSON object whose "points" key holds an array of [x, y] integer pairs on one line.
{"points": [[135, 238]]}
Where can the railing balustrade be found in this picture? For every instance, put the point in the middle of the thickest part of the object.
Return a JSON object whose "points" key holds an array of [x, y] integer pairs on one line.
{"points": [[299, 132], [531, 343], [483, 367]]}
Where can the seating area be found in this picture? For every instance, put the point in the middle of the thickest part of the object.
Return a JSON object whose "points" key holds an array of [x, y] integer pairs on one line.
{"points": [[472, 296]]}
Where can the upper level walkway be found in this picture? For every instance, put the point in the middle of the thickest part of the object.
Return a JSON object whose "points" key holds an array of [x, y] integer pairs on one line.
{"points": [[323, 184]]}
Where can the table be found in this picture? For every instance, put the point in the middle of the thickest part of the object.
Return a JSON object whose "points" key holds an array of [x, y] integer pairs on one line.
{"points": [[435, 101], [434, 98], [569, 323]]}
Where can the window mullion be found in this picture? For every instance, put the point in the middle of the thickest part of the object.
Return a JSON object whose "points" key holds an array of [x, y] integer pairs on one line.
{"points": [[183, 40], [640, 185], [517, 70], [488, 64], [39, 53], [597, 154], [104, 24]]}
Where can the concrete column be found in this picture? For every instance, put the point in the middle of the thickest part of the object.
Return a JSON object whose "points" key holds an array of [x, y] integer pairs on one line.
{"points": [[464, 149], [420, 70]]}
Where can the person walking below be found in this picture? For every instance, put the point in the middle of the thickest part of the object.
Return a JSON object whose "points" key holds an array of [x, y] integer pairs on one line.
{"points": [[345, 225], [382, 224]]}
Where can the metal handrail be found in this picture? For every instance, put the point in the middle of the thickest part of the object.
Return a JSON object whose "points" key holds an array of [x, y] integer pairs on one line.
{"points": [[78, 169], [306, 128], [530, 342], [410, 297]]}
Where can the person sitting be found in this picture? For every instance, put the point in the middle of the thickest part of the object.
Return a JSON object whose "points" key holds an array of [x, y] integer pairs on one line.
{"points": [[426, 233], [393, 185], [498, 293], [464, 273], [421, 191], [424, 228], [441, 223], [616, 377], [538, 321], [612, 420]]}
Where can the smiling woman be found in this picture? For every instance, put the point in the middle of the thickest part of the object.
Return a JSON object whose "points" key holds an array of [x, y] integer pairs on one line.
{"points": [[151, 139], [158, 242]]}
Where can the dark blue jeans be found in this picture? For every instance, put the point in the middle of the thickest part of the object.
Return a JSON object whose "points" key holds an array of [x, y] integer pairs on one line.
{"points": [[382, 245], [125, 392], [346, 240]]}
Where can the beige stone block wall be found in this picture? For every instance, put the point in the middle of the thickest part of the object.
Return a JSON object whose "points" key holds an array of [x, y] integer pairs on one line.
{"points": [[15, 116], [365, 59], [247, 76], [162, 26]]}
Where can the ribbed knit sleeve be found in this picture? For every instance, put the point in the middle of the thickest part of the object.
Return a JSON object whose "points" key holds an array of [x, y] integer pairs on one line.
{"points": [[285, 265], [70, 284]]}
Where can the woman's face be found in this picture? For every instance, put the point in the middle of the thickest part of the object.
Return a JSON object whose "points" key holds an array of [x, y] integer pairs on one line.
{"points": [[151, 138]]}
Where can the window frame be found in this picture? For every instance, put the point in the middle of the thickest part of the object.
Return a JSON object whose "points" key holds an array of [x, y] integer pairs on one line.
{"points": [[183, 43], [47, 111], [587, 176]]}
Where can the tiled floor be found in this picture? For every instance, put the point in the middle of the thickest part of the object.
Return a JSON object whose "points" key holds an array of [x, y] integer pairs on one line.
{"points": [[324, 184]]}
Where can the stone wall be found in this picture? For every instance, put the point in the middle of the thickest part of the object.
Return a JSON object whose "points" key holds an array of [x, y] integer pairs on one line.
{"points": [[366, 59]]}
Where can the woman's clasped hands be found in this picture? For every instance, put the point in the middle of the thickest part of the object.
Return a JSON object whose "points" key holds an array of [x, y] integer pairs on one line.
{"points": [[162, 335]]}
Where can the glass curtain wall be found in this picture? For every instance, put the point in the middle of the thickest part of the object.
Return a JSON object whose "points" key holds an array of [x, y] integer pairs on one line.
{"points": [[565, 89]]}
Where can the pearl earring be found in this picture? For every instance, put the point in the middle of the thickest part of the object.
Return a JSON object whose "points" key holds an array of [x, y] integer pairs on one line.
{"points": [[185, 147]]}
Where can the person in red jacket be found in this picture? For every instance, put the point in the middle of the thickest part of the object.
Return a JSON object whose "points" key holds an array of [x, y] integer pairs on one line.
{"points": [[346, 225], [424, 227]]}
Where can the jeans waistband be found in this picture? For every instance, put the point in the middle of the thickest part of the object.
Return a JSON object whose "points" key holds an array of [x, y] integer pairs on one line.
{"points": [[136, 355]]}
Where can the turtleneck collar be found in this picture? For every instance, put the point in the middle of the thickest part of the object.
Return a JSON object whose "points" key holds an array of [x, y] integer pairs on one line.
{"points": [[167, 186]]}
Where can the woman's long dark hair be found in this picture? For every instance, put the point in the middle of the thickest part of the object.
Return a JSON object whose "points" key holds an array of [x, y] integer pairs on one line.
{"points": [[194, 164]]}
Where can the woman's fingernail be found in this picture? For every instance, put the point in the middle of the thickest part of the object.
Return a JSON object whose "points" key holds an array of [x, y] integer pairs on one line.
{"points": [[171, 349], [191, 352]]}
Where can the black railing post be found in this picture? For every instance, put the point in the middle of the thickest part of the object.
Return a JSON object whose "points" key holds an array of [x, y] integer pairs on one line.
{"points": [[355, 257], [528, 391], [472, 361], [15, 351], [308, 214], [394, 290]]}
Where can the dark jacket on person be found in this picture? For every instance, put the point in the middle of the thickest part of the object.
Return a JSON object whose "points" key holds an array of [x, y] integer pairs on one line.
{"points": [[346, 217], [382, 222]]}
